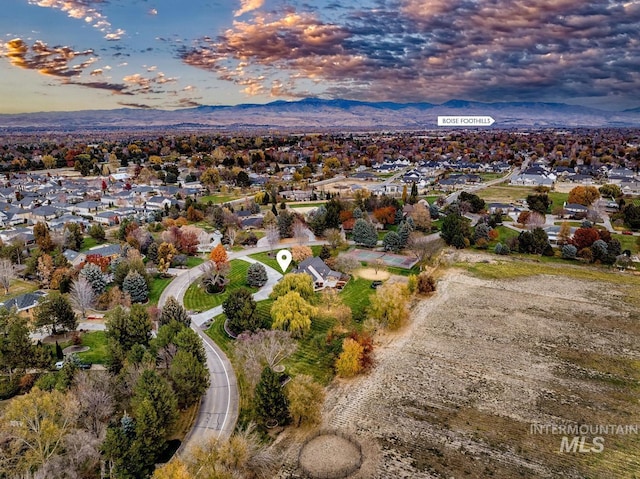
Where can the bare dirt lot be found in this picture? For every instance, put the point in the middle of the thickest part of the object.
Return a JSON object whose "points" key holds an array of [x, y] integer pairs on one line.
{"points": [[455, 394]]}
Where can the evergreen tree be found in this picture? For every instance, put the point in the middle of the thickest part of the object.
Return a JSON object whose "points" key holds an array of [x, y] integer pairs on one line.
{"points": [[256, 275], [392, 242], [413, 197], [136, 286], [95, 276], [270, 400], [190, 378], [325, 252], [152, 252], [174, 311], [403, 232], [240, 309], [96, 231], [364, 233]]}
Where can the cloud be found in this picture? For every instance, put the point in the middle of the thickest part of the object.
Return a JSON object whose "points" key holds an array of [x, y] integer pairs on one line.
{"points": [[85, 10], [412, 50], [247, 6], [55, 61]]}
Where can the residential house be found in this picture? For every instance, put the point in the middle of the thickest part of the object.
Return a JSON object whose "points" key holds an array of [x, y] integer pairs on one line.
{"points": [[25, 302], [44, 213], [575, 210], [323, 276]]}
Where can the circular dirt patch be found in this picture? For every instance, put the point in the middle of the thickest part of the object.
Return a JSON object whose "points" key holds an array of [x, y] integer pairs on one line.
{"points": [[330, 455], [370, 273], [75, 349]]}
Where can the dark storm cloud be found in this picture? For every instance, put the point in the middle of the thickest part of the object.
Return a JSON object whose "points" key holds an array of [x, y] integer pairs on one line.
{"points": [[414, 50]]}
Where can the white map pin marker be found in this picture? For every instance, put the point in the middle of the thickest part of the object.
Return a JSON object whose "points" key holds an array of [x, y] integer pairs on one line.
{"points": [[284, 259]]}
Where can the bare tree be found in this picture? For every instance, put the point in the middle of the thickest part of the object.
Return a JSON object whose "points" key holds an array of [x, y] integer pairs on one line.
{"points": [[535, 220], [334, 237], [82, 295], [422, 247], [7, 273], [215, 275], [300, 232], [263, 348], [232, 232], [273, 235], [95, 396], [377, 264]]}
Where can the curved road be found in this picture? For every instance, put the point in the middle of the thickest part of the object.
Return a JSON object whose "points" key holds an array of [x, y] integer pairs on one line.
{"points": [[219, 408]]}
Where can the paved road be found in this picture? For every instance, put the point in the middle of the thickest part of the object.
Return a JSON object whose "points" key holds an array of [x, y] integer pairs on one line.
{"points": [[219, 407]]}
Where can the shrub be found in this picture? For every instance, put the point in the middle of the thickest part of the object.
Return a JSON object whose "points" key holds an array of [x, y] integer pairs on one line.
{"points": [[569, 251], [256, 275], [426, 283]]}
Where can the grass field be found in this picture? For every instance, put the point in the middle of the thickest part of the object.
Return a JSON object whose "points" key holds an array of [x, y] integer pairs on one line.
{"points": [[193, 261], [87, 243], [98, 354], [504, 193], [356, 295], [306, 205], [197, 299], [18, 287], [269, 260], [157, 287], [627, 242], [217, 199]]}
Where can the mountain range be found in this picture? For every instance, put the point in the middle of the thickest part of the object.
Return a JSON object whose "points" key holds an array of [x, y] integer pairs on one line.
{"points": [[319, 114]]}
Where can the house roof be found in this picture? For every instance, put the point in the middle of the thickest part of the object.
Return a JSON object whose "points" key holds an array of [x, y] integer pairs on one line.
{"points": [[105, 250], [317, 269], [24, 301]]}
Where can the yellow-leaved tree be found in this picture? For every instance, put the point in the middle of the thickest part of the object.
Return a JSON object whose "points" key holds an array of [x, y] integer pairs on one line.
{"points": [[349, 363], [305, 400], [292, 313], [389, 306]]}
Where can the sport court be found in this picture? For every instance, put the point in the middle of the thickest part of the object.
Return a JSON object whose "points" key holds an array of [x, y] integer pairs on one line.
{"points": [[389, 259]]}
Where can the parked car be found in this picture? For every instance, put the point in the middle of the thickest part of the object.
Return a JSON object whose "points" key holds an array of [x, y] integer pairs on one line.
{"points": [[375, 284], [627, 232], [59, 364]]}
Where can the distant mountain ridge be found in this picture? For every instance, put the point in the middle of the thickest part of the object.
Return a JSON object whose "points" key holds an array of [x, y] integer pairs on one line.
{"points": [[317, 113]]}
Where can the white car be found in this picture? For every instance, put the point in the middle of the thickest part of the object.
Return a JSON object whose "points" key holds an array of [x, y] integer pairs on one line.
{"points": [[59, 364]]}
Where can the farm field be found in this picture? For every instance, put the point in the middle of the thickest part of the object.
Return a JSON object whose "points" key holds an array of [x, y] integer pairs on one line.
{"points": [[501, 346]]}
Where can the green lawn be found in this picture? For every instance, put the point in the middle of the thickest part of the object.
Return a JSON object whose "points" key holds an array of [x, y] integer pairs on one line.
{"points": [[269, 260], [306, 205], [157, 287], [217, 199], [197, 299], [314, 356], [627, 242], [356, 295], [558, 199], [98, 354], [193, 261], [505, 234], [18, 287], [490, 176], [87, 243]]}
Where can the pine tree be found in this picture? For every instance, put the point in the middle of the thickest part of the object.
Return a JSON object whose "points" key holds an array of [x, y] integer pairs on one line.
{"points": [[136, 286], [270, 401], [364, 233], [391, 242], [152, 252], [240, 309], [95, 276], [256, 275], [174, 311], [190, 378]]}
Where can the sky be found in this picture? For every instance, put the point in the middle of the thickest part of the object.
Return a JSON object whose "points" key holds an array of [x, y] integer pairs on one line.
{"points": [[168, 54]]}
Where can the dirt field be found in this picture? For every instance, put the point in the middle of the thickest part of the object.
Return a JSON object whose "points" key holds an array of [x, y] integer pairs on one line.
{"points": [[370, 273], [455, 394]]}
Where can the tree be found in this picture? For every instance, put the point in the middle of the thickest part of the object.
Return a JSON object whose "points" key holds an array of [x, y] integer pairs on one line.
{"points": [[334, 237], [73, 236], [477, 204], [285, 224], [263, 348], [273, 235], [298, 282], [300, 253], [35, 425], [214, 277], [257, 275], [16, 349], [96, 402], [270, 401], [45, 269], [349, 361], [219, 255], [136, 287], [166, 253], [533, 242], [413, 197], [364, 233], [291, 312], [564, 235], [569, 251], [96, 231], [392, 242], [240, 309], [346, 263], [55, 311], [190, 378], [174, 311], [305, 397], [43, 237], [539, 203], [95, 277], [455, 229], [523, 217], [610, 191], [584, 237], [389, 306], [583, 195], [7, 273], [82, 295], [188, 340], [127, 329], [385, 215]]}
